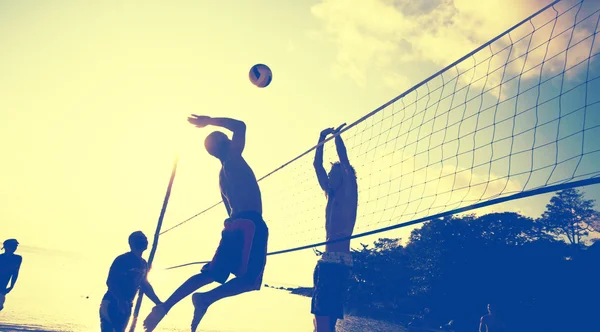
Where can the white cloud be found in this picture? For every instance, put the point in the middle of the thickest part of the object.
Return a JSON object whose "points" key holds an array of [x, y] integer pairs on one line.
{"points": [[400, 42]]}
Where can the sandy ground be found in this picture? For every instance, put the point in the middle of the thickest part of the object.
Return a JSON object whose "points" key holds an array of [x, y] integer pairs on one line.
{"points": [[349, 324], [18, 328]]}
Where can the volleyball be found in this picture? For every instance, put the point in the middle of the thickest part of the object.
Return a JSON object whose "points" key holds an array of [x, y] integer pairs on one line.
{"points": [[260, 75]]}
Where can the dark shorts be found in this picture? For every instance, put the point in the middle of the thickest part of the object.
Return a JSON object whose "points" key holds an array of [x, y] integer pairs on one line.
{"points": [[330, 287], [112, 319], [242, 250]]}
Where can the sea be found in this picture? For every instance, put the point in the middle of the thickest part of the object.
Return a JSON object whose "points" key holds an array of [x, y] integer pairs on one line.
{"points": [[62, 291]]}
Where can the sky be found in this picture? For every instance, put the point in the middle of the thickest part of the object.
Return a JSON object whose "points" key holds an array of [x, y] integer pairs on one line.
{"points": [[94, 100]]}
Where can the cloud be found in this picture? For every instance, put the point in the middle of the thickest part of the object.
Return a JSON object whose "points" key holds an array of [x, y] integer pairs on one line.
{"points": [[400, 42]]}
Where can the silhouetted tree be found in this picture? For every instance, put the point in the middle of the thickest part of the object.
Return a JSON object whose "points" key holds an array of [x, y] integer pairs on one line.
{"points": [[529, 269], [380, 279], [570, 215]]}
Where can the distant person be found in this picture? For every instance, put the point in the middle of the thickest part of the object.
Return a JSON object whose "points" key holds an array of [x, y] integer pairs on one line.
{"points": [[9, 268], [491, 322], [333, 268], [242, 250], [128, 273]]}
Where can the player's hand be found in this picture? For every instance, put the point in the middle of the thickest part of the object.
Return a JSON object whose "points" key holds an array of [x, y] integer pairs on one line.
{"points": [[338, 129], [199, 121], [327, 131]]}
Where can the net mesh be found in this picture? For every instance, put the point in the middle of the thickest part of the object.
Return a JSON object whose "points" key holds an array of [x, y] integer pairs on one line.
{"points": [[519, 114]]}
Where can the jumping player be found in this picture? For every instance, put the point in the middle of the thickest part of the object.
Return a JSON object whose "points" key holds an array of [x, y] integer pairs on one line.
{"points": [[243, 246]]}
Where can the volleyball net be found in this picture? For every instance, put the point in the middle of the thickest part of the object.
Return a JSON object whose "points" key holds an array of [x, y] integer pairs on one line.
{"points": [[517, 117]]}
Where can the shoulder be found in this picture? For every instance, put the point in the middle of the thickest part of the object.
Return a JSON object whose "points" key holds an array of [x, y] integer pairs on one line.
{"points": [[123, 258], [14, 260], [11, 259]]}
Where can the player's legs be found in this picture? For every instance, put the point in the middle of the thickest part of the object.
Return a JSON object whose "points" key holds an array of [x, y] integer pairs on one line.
{"points": [[250, 280], [105, 321], [233, 287], [330, 285], [111, 318], [217, 270], [321, 323], [187, 288], [120, 321], [324, 324]]}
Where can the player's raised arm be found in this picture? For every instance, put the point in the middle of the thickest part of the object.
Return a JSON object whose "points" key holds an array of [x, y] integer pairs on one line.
{"points": [[341, 150], [238, 142], [318, 163]]}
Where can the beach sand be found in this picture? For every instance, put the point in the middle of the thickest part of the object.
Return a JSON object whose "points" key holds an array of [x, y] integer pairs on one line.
{"points": [[349, 324], [21, 328]]}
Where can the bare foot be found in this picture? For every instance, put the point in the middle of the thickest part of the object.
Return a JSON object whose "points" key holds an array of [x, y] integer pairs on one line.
{"points": [[157, 314], [199, 310]]}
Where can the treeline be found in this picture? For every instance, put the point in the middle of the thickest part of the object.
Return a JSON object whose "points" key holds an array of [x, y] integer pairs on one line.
{"points": [[541, 275]]}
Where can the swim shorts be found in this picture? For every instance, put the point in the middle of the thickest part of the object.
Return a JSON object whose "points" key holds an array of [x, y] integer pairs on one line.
{"points": [[111, 317], [330, 286], [242, 250]]}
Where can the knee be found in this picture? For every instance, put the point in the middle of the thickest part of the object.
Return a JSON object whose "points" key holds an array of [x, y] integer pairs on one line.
{"points": [[248, 284], [202, 278], [245, 284]]}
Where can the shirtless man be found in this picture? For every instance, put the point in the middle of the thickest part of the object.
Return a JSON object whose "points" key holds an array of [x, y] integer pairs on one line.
{"points": [[243, 247], [333, 269], [490, 322], [9, 268]]}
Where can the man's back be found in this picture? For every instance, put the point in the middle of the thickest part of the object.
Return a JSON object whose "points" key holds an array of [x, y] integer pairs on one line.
{"points": [[340, 215], [238, 183], [9, 264]]}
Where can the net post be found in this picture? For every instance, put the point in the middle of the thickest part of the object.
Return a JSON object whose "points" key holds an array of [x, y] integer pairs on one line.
{"points": [[140, 296]]}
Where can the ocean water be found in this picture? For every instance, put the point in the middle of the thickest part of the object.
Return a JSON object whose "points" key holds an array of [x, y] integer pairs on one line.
{"points": [[62, 292]]}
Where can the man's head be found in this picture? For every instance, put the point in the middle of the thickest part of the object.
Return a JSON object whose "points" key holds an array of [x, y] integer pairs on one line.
{"points": [[489, 308], [10, 245], [217, 144], [336, 175], [138, 241]]}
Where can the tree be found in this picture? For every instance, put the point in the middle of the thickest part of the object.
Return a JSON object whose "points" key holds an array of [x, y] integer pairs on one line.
{"points": [[570, 215], [380, 279]]}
